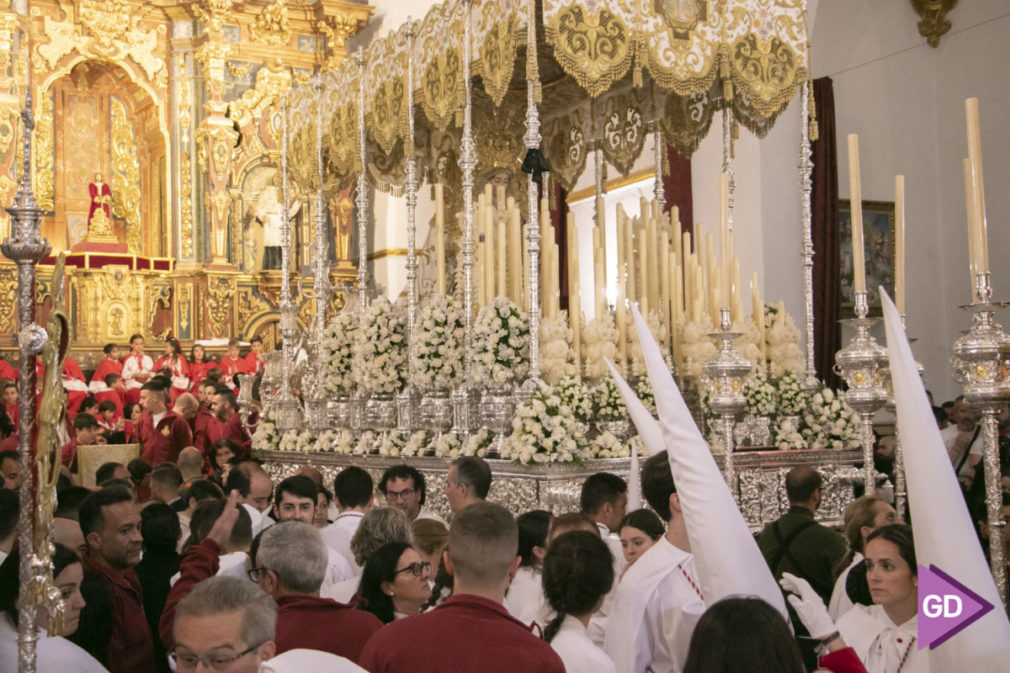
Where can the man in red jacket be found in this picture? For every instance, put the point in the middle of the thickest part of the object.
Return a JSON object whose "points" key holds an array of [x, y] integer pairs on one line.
{"points": [[162, 433], [304, 620], [113, 627], [225, 407], [207, 428], [482, 559]]}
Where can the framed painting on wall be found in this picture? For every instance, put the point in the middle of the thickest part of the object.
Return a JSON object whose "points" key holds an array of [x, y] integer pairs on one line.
{"points": [[878, 239]]}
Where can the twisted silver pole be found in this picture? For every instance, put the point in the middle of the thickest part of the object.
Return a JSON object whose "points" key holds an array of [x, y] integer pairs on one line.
{"points": [[467, 162], [411, 193], [321, 270], [806, 218], [361, 198], [533, 139], [657, 139]]}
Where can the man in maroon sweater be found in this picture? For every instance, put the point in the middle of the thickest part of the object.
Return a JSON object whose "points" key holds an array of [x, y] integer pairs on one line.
{"points": [[113, 627], [206, 427], [483, 540], [162, 432], [304, 620], [225, 407]]}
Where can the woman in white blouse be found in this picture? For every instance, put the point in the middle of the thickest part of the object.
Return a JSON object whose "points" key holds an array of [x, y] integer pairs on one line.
{"points": [[578, 573], [525, 597], [884, 634], [54, 653]]}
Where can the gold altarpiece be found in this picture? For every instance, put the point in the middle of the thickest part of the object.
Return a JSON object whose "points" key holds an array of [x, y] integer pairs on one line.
{"points": [[177, 103]]}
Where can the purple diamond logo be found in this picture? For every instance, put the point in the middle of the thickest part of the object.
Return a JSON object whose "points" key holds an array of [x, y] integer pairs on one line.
{"points": [[946, 607]]}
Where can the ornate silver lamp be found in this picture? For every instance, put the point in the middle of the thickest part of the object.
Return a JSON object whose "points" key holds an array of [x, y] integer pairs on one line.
{"points": [[726, 372], [862, 363], [980, 364], [357, 413]]}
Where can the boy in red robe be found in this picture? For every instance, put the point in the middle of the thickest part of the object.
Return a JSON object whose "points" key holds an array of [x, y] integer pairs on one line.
{"points": [[7, 371], [113, 392], [232, 364], [138, 368], [75, 383], [254, 361], [482, 558], [110, 364]]}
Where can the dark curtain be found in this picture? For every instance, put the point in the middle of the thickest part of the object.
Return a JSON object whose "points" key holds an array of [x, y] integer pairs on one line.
{"points": [[677, 187], [559, 219], [827, 259]]}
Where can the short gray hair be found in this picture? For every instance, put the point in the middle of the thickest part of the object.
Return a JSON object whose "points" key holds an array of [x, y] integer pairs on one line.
{"points": [[380, 526], [295, 551], [222, 594]]}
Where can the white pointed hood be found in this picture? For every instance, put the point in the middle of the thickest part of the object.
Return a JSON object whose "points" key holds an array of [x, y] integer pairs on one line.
{"points": [[944, 534], [727, 559]]}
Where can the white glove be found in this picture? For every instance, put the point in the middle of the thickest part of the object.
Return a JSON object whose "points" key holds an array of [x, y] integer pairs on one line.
{"points": [[808, 606]]}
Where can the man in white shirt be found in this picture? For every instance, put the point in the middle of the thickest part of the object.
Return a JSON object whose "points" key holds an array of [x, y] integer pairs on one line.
{"points": [[296, 500], [352, 490], [604, 499], [658, 601]]}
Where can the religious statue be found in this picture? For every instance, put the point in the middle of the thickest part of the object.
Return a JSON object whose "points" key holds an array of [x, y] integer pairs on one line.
{"points": [[100, 214], [270, 213]]}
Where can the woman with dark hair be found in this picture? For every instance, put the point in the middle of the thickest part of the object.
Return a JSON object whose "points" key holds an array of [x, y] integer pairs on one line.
{"points": [[54, 653], [863, 516], [578, 573], [394, 582], [743, 635], [221, 452], [882, 635], [638, 531], [131, 416], [525, 597], [175, 362]]}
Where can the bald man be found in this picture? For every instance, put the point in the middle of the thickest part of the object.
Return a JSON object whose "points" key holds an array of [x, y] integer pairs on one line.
{"points": [[190, 463], [186, 405]]}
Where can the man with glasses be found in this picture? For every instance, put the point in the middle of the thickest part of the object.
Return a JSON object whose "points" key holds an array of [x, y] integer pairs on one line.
{"points": [[224, 624], [404, 489]]}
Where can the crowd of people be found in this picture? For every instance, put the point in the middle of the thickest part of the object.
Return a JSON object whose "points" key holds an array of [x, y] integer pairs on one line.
{"points": [[195, 557]]}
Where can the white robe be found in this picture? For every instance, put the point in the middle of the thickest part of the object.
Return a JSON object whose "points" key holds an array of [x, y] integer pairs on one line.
{"points": [[525, 599], [131, 367], [655, 612], [53, 654], [338, 534], [578, 652], [301, 661], [840, 601], [880, 644], [598, 623]]}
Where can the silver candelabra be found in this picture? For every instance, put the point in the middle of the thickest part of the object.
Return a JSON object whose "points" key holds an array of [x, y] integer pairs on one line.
{"points": [[726, 372]]}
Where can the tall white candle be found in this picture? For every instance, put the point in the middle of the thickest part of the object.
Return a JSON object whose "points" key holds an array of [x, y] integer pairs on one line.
{"points": [[856, 199], [975, 154]]}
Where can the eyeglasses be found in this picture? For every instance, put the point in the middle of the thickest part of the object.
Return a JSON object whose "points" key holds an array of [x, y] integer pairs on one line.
{"points": [[418, 568], [187, 661], [396, 495], [254, 573]]}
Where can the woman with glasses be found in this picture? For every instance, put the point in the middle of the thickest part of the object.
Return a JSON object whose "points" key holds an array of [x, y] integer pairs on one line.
{"points": [[55, 653], [394, 583]]}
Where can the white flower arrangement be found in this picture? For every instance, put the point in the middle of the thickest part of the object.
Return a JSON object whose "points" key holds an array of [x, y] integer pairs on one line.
{"points": [[343, 443], [577, 396], [761, 395], [365, 444], [788, 436], [555, 348], [501, 337], [338, 350], [289, 441], [415, 444], [381, 348], [643, 388], [265, 438], [830, 423], [784, 354], [449, 445], [437, 350], [599, 339], [607, 445], [543, 431], [477, 443], [655, 325], [793, 399], [306, 441], [609, 403], [391, 444], [748, 343], [696, 347]]}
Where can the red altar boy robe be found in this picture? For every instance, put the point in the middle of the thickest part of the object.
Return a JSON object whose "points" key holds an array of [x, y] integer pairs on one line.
{"points": [[114, 396], [7, 371], [303, 621], [180, 373], [163, 443], [487, 638], [13, 413], [253, 363], [105, 367], [75, 383], [235, 431], [207, 429], [198, 372], [230, 368]]}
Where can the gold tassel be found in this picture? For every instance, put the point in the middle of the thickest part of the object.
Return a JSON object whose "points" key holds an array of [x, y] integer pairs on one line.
{"points": [[666, 163], [814, 131], [459, 118], [538, 92], [727, 81], [603, 173], [734, 130]]}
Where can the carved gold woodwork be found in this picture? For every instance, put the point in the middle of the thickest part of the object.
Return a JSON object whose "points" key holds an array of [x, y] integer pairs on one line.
{"points": [[933, 24], [8, 300], [271, 25], [215, 13], [186, 203], [125, 175], [8, 26], [220, 299], [43, 153]]}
